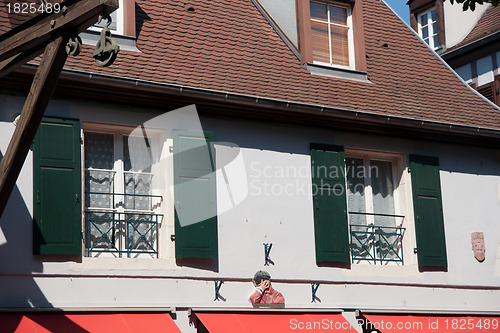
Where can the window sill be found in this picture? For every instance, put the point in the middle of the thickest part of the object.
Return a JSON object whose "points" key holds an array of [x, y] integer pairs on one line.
{"points": [[126, 43], [339, 73]]}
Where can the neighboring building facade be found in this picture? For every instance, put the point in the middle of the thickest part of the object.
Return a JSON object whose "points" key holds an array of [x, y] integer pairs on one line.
{"points": [[468, 41], [323, 143]]}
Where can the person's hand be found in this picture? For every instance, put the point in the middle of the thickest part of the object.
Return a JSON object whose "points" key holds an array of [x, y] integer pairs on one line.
{"points": [[264, 285]]}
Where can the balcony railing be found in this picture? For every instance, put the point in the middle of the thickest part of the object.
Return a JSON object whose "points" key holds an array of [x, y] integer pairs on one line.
{"points": [[123, 232], [376, 243]]}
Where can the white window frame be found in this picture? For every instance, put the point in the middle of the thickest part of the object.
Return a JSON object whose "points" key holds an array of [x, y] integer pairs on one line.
{"points": [[120, 21], [118, 132], [350, 34], [429, 27]]}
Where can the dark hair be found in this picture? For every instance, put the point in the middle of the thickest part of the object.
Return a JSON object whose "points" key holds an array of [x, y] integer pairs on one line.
{"points": [[260, 276]]}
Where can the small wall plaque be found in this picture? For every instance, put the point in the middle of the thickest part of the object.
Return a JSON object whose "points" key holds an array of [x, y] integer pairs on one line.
{"points": [[477, 240]]}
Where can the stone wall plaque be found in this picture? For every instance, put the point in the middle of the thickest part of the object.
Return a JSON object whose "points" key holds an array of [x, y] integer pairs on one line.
{"points": [[477, 240]]}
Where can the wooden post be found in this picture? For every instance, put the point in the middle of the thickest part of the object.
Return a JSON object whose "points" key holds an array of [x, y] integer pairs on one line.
{"points": [[38, 98]]}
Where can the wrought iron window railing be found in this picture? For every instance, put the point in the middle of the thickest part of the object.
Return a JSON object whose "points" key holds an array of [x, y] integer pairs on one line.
{"points": [[377, 243], [123, 232]]}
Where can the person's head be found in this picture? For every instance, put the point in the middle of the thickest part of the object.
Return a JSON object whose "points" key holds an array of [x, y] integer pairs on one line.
{"points": [[261, 276]]}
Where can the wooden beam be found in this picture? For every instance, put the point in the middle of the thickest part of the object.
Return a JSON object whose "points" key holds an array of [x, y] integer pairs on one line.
{"points": [[15, 62], [30, 38], [38, 98]]}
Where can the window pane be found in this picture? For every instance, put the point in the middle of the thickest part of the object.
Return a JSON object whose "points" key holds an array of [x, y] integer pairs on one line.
{"points": [[318, 11], [338, 15], [383, 203], [137, 188], [433, 15], [320, 45], [436, 43], [97, 182], [99, 152], [423, 19], [434, 28], [340, 48], [137, 157], [383, 192], [137, 154], [355, 175], [425, 33]]}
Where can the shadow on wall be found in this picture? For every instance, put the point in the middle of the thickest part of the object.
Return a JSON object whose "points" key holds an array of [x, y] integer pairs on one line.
{"points": [[16, 255], [18, 288]]}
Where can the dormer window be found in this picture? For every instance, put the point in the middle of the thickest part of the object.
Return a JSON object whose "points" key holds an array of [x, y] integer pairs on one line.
{"points": [[331, 38], [427, 28], [332, 34]]}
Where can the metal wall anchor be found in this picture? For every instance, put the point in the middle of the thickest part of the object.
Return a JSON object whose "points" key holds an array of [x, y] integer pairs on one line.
{"points": [[267, 252], [314, 289], [218, 285]]}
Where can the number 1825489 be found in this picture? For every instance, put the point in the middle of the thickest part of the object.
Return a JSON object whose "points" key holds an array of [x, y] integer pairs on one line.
{"points": [[32, 8]]}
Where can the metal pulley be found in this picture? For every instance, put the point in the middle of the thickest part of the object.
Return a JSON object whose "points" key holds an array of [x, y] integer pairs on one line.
{"points": [[106, 48]]}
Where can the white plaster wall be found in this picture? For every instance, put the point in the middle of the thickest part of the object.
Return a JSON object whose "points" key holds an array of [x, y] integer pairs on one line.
{"points": [[458, 23], [284, 14], [182, 321], [165, 293], [470, 180]]}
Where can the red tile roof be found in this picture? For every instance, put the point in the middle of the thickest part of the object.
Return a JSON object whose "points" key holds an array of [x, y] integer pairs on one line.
{"points": [[11, 15], [489, 23], [228, 46]]}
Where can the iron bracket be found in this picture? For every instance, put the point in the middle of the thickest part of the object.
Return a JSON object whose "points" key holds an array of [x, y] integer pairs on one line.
{"points": [[267, 251], [218, 285], [314, 289]]}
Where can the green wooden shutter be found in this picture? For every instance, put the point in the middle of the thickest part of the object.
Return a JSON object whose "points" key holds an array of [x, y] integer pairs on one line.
{"points": [[57, 188], [428, 209], [331, 229], [195, 195]]}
